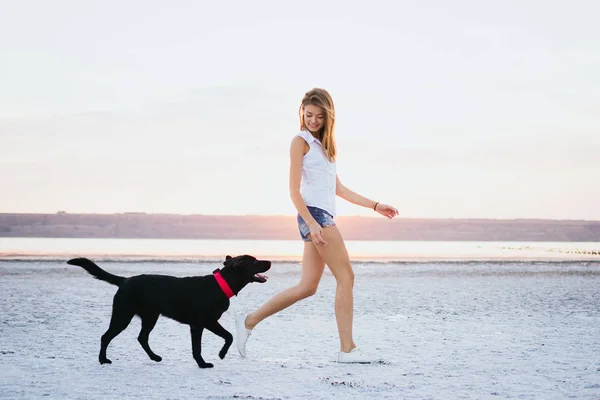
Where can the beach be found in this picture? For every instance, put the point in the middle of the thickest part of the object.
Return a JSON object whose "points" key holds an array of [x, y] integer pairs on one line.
{"points": [[447, 330]]}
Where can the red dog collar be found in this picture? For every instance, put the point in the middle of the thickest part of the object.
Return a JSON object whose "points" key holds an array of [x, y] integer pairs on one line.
{"points": [[223, 284]]}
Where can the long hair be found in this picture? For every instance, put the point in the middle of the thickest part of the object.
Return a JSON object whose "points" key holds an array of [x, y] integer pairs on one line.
{"points": [[321, 98]]}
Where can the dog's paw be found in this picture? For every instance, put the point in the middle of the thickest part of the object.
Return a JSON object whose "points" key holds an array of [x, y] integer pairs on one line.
{"points": [[205, 365], [105, 361], [156, 358], [222, 354]]}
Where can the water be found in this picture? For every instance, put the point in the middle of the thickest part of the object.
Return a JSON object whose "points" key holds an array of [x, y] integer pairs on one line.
{"points": [[291, 250]]}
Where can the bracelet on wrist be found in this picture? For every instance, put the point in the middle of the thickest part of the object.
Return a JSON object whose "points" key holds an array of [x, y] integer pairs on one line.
{"points": [[375, 206]]}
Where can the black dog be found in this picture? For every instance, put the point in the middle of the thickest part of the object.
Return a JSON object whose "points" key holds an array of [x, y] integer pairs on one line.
{"points": [[198, 301]]}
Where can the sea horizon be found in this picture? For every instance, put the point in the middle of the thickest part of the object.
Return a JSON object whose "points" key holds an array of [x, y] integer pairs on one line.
{"points": [[363, 251]]}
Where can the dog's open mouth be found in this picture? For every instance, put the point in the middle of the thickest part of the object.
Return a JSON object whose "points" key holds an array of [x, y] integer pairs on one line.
{"points": [[263, 266], [260, 278]]}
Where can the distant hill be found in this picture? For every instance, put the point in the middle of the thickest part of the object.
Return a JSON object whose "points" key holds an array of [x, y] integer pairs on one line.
{"points": [[172, 226]]}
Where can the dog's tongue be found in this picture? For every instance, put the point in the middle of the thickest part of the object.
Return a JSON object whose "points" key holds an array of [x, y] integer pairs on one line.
{"points": [[262, 276]]}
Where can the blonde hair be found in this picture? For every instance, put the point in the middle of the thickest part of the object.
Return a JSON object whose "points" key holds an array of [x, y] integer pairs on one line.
{"points": [[321, 98]]}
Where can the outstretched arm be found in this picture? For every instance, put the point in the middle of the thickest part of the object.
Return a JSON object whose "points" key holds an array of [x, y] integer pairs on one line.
{"points": [[355, 198]]}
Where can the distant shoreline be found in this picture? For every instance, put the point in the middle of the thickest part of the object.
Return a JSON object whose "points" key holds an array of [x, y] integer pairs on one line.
{"points": [[253, 227], [285, 251]]}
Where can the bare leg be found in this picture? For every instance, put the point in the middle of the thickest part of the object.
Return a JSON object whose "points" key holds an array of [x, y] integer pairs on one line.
{"points": [[336, 256], [312, 270]]}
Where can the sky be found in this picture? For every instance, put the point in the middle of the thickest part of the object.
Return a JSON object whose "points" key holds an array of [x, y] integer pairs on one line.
{"points": [[462, 109]]}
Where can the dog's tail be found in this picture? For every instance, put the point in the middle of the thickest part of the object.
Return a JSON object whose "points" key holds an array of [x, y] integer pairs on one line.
{"points": [[96, 271]]}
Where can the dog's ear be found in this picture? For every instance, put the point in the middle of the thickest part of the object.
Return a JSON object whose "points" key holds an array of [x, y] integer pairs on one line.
{"points": [[227, 260]]}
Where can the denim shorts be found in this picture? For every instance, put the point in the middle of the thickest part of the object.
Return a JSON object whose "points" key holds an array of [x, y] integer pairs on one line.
{"points": [[322, 217]]}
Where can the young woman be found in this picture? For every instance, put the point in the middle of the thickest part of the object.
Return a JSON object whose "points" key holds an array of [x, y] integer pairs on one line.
{"points": [[313, 187]]}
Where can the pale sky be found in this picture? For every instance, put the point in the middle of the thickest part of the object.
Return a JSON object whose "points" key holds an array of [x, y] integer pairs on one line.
{"points": [[462, 109]]}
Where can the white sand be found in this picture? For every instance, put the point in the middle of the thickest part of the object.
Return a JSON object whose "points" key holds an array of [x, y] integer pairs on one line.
{"points": [[447, 330]]}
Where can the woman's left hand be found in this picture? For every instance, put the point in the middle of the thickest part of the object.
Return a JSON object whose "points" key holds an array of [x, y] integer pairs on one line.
{"points": [[386, 210]]}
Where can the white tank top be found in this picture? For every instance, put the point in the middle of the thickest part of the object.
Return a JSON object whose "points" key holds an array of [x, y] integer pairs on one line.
{"points": [[318, 176]]}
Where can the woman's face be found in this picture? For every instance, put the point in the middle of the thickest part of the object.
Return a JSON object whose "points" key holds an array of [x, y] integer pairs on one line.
{"points": [[314, 118]]}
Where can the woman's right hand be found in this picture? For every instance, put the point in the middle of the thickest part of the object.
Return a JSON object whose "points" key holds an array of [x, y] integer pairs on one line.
{"points": [[316, 234]]}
